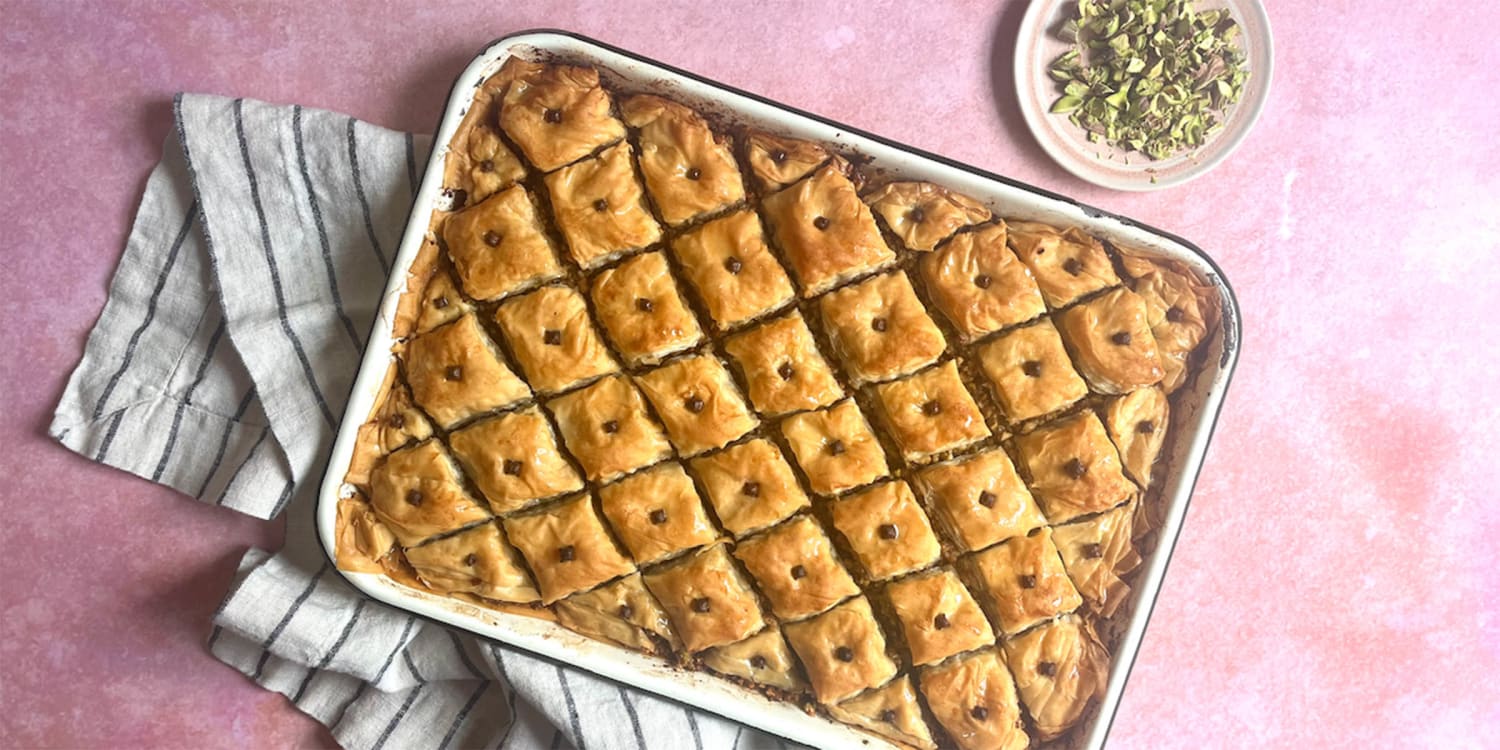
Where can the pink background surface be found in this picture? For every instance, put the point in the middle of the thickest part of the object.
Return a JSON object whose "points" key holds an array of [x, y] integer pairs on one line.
{"points": [[1336, 584]]}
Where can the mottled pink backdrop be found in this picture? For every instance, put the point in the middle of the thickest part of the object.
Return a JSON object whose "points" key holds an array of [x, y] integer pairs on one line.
{"points": [[1336, 584]]}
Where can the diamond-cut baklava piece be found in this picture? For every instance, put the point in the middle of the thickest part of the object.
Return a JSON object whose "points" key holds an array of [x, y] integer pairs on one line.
{"points": [[887, 530], [979, 285], [974, 699], [843, 650], [1137, 422], [750, 485], [396, 418], [363, 540], [606, 428], [728, 264], [554, 340], [499, 246], [641, 310], [1097, 552], [980, 500], [417, 492], [656, 513], [482, 166], [689, 169], [556, 114], [879, 328], [456, 373], [567, 547], [794, 565], [514, 459], [476, 561], [777, 162], [1180, 309], [1024, 581], [763, 659], [938, 615], [835, 448], [601, 208], [708, 600], [890, 711], [1067, 265], [622, 612], [1074, 468], [432, 301], [931, 412], [1031, 372], [698, 402], [782, 364], [923, 214], [1111, 342], [826, 231], [1059, 668]]}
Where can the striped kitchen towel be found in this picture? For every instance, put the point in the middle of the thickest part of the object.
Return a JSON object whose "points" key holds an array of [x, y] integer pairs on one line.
{"points": [[219, 367]]}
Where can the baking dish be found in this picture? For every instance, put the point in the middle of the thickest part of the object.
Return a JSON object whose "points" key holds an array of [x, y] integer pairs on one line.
{"points": [[1193, 425]]}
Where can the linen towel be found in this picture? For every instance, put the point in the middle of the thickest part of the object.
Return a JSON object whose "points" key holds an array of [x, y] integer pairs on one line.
{"points": [[220, 365]]}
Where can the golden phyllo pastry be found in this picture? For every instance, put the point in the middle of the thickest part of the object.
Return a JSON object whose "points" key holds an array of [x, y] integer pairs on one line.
{"points": [[622, 612], [763, 659], [843, 651], [556, 114], [418, 493], [1059, 668], [553, 338], [979, 285], [1111, 342], [750, 486], [1023, 581], [777, 162], [698, 402], [499, 245], [1067, 264], [923, 214], [457, 373], [708, 600], [600, 207], [1074, 468], [974, 699], [795, 567], [606, 428], [432, 299], [938, 616], [980, 499], [566, 546], [475, 561], [396, 419], [641, 310], [689, 169], [482, 167], [727, 263], [931, 412], [835, 448], [514, 459], [782, 364], [1097, 552], [827, 233], [1137, 422], [363, 539], [656, 513], [879, 328], [887, 530], [890, 711], [1181, 310], [1031, 372]]}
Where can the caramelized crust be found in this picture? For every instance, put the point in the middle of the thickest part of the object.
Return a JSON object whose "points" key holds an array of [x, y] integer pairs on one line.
{"points": [[880, 329], [698, 403], [606, 428], [979, 285], [843, 651], [931, 412], [600, 207], [417, 494], [1097, 552], [477, 561], [514, 459], [776, 162], [887, 530], [1059, 668], [728, 264], [923, 214], [974, 699], [427, 281], [1031, 372], [709, 602], [1111, 342], [499, 246], [479, 163], [567, 548], [622, 612], [363, 540], [556, 114], [1137, 423], [782, 364], [396, 420], [656, 513], [891, 711], [1024, 581], [980, 500], [750, 485], [835, 448], [1074, 468], [1180, 309], [826, 231], [456, 373], [641, 310], [938, 616], [1067, 265], [689, 170], [762, 658], [795, 567], [554, 340]]}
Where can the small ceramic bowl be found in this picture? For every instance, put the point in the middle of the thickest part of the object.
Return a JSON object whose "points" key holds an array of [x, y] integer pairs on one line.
{"points": [[1100, 163]]}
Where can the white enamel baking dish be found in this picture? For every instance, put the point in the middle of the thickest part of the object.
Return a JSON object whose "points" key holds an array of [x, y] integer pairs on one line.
{"points": [[1193, 424]]}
